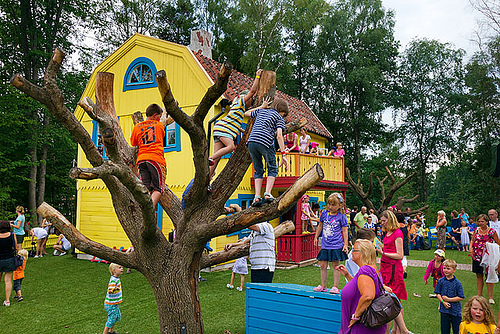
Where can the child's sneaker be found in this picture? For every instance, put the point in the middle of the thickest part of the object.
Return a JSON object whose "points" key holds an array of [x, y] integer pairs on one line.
{"points": [[320, 288], [432, 295], [6, 303], [334, 290], [229, 286], [56, 252], [63, 253], [492, 301], [211, 162], [239, 288]]}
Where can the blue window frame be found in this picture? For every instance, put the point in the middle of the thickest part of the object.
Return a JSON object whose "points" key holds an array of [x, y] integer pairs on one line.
{"points": [[97, 139], [172, 140], [140, 74]]}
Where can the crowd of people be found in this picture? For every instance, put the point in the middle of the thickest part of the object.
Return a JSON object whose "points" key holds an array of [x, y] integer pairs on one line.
{"points": [[13, 257]]}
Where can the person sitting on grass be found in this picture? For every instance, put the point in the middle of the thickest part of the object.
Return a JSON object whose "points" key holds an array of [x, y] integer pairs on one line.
{"points": [[62, 246], [113, 298]]}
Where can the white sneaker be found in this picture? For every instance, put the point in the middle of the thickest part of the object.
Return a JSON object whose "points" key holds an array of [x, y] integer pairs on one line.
{"points": [[239, 289], [56, 252], [432, 295], [63, 253], [229, 286], [492, 302], [36, 256]]}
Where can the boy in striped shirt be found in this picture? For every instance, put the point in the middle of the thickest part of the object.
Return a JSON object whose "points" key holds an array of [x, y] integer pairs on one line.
{"points": [[113, 298], [268, 124]]}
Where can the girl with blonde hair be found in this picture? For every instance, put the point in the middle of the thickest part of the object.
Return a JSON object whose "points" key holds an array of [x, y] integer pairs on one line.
{"points": [[333, 224]]}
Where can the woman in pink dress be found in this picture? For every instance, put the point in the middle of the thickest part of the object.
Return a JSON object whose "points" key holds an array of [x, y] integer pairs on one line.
{"points": [[391, 267]]}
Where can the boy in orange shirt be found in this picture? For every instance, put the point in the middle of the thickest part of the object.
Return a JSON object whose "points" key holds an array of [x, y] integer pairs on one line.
{"points": [[149, 136], [19, 275]]}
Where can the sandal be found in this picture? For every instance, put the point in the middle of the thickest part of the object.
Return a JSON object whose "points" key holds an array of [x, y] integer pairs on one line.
{"points": [[20, 299], [268, 198], [257, 202], [320, 288], [334, 290]]}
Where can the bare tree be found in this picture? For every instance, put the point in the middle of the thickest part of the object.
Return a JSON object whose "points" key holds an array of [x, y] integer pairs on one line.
{"points": [[171, 268], [386, 196]]}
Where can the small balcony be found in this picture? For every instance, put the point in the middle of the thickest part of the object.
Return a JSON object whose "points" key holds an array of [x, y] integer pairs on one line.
{"points": [[333, 168]]}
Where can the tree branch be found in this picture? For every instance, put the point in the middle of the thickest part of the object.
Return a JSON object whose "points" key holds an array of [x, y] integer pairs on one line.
{"points": [[357, 188], [208, 260], [213, 93], [240, 220], [51, 97], [83, 243]]}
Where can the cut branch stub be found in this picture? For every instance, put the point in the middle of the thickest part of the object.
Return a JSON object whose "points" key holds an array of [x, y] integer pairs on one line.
{"points": [[267, 86], [104, 92], [137, 117]]}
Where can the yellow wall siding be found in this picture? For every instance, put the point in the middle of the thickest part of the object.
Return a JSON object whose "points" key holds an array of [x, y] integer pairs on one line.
{"points": [[95, 214]]}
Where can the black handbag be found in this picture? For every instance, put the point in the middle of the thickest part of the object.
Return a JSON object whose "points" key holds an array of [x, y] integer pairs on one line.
{"points": [[382, 309], [18, 259]]}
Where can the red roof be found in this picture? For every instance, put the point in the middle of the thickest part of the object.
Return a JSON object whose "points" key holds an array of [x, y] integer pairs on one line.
{"points": [[238, 82]]}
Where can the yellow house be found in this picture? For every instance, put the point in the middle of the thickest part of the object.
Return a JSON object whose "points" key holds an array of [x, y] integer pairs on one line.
{"points": [[190, 74]]}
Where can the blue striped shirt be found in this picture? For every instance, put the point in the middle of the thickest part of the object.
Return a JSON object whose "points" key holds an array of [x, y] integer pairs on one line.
{"points": [[267, 121]]}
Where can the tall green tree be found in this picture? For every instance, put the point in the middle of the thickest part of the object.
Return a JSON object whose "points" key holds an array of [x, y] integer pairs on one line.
{"points": [[357, 57], [176, 20], [31, 30], [297, 63], [429, 89]]}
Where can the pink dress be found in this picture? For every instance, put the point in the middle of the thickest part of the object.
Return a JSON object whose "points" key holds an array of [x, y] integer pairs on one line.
{"points": [[392, 270], [305, 210]]}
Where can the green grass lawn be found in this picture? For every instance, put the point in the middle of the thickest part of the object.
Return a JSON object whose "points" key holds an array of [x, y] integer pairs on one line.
{"points": [[65, 295]]}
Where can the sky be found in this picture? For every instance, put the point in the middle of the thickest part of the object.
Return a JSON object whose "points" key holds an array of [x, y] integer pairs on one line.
{"points": [[448, 21]]}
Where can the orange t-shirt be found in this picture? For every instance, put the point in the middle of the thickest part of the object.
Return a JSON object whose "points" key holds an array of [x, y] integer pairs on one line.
{"points": [[149, 135], [19, 272]]}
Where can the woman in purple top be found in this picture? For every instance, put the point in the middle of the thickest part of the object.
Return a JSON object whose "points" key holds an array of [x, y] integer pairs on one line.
{"points": [[360, 290]]}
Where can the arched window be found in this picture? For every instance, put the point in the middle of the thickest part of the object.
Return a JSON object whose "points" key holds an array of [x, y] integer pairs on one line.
{"points": [[140, 74]]}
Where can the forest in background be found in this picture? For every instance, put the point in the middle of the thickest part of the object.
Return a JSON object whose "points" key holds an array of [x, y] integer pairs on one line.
{"points": [[340, 57]]}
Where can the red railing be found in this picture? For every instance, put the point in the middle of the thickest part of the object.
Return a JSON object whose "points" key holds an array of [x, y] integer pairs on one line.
{"points": [[296, 248]]}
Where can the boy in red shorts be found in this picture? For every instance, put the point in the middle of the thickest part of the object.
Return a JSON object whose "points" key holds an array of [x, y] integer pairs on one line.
{"points": [[149, 135]]}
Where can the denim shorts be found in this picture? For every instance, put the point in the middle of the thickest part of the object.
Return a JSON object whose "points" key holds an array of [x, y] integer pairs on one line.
{"points": [[17, 284], [259, 151]]}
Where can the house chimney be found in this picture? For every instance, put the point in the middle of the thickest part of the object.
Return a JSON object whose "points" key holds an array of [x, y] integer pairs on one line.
{"points": [[201, 40]]}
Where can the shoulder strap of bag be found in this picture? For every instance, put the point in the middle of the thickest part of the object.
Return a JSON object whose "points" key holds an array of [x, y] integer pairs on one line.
{"points": [[380, 285], [13, 241]]}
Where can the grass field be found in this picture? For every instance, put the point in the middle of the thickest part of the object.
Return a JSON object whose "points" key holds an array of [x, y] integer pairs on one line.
{"points": [[65, 295]]}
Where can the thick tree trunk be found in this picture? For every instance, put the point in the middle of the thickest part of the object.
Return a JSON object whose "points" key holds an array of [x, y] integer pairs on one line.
{"points": [[43, 167], [32, 181], [175, 286]]}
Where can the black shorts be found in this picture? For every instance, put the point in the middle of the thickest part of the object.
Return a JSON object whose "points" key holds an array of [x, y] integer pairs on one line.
{"points": [[477, 268], [152, 175], [20, 238], [261, 276]]}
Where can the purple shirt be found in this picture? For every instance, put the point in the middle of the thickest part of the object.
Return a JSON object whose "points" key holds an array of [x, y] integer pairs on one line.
{"points": [[349, 301], [332, 230]]}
